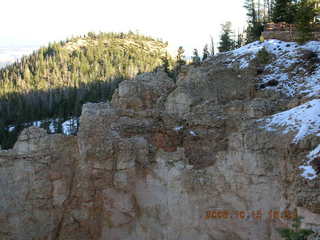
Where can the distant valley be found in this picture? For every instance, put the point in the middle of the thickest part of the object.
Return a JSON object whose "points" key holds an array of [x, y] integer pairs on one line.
{"points": [[9, 54]]}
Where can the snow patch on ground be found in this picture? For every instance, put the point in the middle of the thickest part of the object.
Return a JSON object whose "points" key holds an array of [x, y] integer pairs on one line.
{"points": [[68, 127], [192, 133], [178, 128], [308, 171], [36, 123], [287, 67], [314, 153], [304, 119], [244, 55]]}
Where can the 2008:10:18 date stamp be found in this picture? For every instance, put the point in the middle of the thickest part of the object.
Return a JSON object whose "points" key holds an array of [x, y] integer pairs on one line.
{"points": [[255, 215]]}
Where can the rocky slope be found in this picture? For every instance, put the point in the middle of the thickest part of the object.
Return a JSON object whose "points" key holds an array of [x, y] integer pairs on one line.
{"points": [[228, 152]]}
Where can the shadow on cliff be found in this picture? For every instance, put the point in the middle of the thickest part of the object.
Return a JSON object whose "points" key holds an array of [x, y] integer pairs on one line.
{"points": [[48, 107]]}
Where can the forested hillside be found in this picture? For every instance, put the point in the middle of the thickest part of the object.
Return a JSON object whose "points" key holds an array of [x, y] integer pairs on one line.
{"points": [[56, 80]]}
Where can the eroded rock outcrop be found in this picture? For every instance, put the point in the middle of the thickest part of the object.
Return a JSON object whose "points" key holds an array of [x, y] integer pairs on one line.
{"points": [[163, 156]]}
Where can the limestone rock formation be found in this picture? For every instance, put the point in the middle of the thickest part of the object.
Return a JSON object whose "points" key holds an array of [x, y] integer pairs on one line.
{"points": [[213, 156]]}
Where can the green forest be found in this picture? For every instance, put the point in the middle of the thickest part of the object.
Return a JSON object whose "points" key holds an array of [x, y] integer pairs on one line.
{"points": [[304, 14], [52, 83]]}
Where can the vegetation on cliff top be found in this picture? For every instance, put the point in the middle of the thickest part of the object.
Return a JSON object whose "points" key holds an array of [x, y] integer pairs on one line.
{"points": [[299, 12]]}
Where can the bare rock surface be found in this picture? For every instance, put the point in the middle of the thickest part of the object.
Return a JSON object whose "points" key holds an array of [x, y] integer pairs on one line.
{"points": [[210, 157]]}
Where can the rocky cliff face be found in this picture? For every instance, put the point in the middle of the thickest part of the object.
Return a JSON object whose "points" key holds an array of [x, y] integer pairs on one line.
{"points": [[228, 152]]}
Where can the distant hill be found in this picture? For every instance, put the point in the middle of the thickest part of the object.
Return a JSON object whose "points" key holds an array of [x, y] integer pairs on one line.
{"points": [[54, 82]]}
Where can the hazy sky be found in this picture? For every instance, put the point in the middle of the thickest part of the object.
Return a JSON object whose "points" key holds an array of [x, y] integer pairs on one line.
{"points": [[186, 23]]}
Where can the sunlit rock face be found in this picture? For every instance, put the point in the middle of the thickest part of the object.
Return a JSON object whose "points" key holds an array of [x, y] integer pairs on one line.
{"points": [[211, 156]]}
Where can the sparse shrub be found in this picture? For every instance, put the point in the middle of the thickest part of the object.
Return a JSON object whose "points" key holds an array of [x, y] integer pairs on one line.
{"points": [[296, 233], [311, 60], [263, 56]]}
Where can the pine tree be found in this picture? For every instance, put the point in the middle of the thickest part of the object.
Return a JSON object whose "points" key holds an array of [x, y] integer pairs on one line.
{"points": [[255, 20], [283, 11], [305, 13], [180, 56], [195, 57], [226, 42], [270, 6], [26, 74], [212, 52], [180, 61], [165, 63], [251, 11], [205, 53], [239, 41]]}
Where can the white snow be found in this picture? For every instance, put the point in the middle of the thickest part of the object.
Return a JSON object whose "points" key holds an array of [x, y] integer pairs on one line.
{"points": [[304, 119], [52, 127], [69, 126], [286, 55], [36, 123], [273, 46], [178, 128], [313, 46], [294, 78], [314, 153], [308, 171], [247, 53], [192, 133]]}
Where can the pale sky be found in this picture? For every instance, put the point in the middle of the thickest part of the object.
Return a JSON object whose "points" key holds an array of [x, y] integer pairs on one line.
{"points": [[185, 23]]}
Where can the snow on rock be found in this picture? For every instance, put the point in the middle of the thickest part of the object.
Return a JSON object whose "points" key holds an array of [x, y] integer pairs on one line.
{"points": [[69, 127], [52, 127], [287, 66], [314, 153], [308, 171], [304, 119], [312, 46], [36, 123], [247, 53], [178, 128], [192, 133]]}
